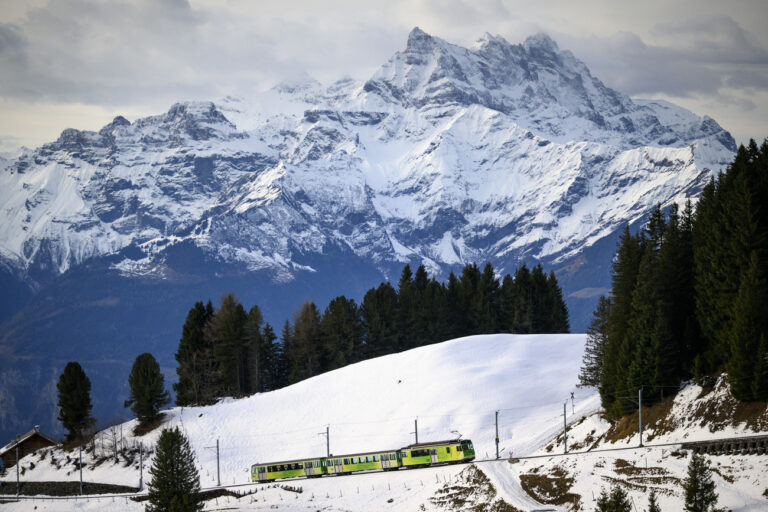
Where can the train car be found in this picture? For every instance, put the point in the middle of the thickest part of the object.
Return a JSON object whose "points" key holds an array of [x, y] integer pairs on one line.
{"points": [[350, 463], [289, 469], [451, 451]]}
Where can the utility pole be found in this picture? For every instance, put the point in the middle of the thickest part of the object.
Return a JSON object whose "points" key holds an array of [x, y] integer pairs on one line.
{"points": [[497, 434], [640, 414], [573, 407], [565, 433], [327, 435], [218, 475], [18, 484], [81, 469], [141, 466], [416, 429]]}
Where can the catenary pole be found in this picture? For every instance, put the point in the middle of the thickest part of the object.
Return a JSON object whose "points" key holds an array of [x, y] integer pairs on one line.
{"points": [[81, 469], [218, 475], [141, 466], [328, 441], [565, 433], [497, 434], [18, 485], [640, 414], [416, 429]]}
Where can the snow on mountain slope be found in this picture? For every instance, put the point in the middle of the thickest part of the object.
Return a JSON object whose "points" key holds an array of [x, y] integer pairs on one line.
{"points": [[446, 155]]}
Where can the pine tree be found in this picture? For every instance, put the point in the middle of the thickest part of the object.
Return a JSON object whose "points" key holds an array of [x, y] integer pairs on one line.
{"points": [[523, 301], [406, 311], [699, 488], [653, 505], [558, 316], [175, 484], [760, 382], [194, 356], [304, 359], [75, 406], [379, 314], [226, 333], [270, 360], [541, 301], [592, 362], [148, 393], [616, 501], [253, 352], [488, 301], [341, 333], [748, 327]]}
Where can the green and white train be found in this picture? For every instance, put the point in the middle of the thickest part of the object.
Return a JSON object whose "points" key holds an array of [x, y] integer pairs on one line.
{"points": [[412, 456]]}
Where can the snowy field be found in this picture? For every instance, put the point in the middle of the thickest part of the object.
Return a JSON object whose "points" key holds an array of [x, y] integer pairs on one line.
{"points": [[451, 389]]}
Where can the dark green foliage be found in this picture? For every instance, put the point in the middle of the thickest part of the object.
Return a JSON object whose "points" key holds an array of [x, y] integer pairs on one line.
{"points": [[226, 332], [175, 484], [689, 293], [253, 353], [342, 333], [616, 501], [592, 362], [75, 406], [653, 505], [304, 356], [195, 357], [148, 393], [700, 495], [379, 314]]}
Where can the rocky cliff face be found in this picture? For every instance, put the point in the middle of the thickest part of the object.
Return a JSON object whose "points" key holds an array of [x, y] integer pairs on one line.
{"points": [[504, 152]]}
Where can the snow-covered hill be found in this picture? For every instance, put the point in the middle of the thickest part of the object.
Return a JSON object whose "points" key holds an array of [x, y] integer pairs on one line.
{"points": [[452, 388]]}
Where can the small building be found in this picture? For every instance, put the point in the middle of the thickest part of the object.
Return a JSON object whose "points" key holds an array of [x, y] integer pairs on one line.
{"points": [[27, 443]]}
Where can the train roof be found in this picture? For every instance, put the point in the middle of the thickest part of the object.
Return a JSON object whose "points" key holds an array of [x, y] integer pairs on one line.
{"points": [[438, 443]]}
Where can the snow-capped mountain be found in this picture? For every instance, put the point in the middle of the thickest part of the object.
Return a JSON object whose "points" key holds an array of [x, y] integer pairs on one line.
{"points": [[446, 155], [503, 152]]}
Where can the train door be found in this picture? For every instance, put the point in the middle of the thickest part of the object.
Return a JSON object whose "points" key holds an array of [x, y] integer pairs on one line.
{"points": [[337, 468], [385, 461], [309, 469], [433, 454]]}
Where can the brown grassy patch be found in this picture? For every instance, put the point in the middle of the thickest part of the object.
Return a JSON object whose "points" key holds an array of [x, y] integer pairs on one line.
{"points": [[551, 489], [141, 430], [475, 494], [655, 416]]}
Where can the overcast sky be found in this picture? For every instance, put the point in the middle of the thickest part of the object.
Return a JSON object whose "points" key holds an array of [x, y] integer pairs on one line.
{"points": [[78, 63]]}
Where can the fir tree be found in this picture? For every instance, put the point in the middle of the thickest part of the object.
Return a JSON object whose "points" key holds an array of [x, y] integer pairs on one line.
{"points": [[226, 333], [379, 314], [341, 333], [523, 301], [616, 501], [270, 360], [760, 382], [75, 406], [175, 484], [699, 488], [195, 357], [592, 362], [148, 393], [253, 365], [305, 356], [653, 505], [558, 315]]}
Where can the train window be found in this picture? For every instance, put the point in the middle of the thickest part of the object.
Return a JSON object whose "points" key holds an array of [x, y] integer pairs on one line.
{"points": [[433, 452], [346, 461], [368, 458], [448, 449], [391, 456], [459, 449], [375, 458]]}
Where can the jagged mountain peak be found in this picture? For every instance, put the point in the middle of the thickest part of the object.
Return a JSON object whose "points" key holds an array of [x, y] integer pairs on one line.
{"points": [[541, 41]]}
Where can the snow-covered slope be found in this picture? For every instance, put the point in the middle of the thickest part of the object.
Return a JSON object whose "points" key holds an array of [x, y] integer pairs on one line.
{"points": [[445, 155]]}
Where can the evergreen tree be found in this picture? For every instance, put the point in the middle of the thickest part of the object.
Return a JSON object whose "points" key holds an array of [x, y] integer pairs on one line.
{"points": [[406, 311], [379, 314], [699, 488], [253, 364], [470, 301], [195, 357], [226, 333], [75, 406], [488, 301], [433, 314], [507, 305], [749, 325], [148, 393], [653, 505], [271, 355], [760, 382], [341, 333], [592, 362], [616, 501], [174, 485], [287, 354], [558, 315], [523, 301], [305, 356], [541, 301]]}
